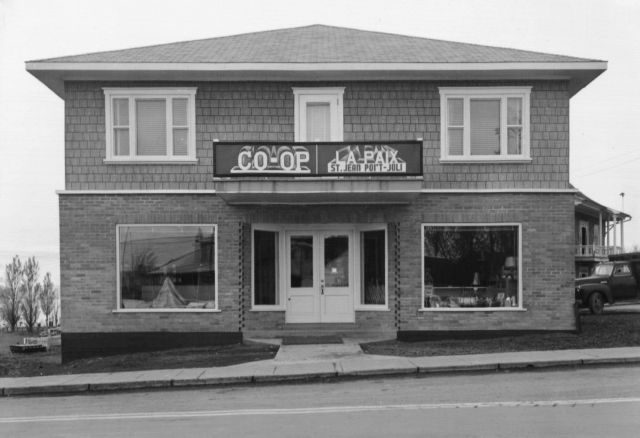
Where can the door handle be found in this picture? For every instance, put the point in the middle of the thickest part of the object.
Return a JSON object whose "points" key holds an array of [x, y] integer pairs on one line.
{"points": [[321, 287]]}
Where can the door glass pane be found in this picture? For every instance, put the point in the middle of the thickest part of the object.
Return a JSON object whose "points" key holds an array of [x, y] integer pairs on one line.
{"points": [[485, 126], [151, 126], [301, 261], [336, 261], [265, 267], [373, 267], [318, 121]]}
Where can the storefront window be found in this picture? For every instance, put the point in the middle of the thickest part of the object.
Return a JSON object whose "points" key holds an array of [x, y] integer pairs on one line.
{"points": [[167, 267], [265, 265], [373, 269], [471, 266]]}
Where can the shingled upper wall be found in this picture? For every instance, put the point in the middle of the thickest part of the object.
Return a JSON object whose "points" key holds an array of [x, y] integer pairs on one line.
{"points": [[263, 111]]}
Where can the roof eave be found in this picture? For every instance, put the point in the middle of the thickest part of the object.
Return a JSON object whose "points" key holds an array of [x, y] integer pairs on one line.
{"points": [[54, 74]]}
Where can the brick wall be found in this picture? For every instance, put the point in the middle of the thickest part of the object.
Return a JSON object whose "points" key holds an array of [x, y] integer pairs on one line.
{"points": [[264, 112], [547, 260], [88, 259]]}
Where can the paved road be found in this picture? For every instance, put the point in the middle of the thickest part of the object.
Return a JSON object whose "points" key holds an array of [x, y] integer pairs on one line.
{"points": [[583, 402]]}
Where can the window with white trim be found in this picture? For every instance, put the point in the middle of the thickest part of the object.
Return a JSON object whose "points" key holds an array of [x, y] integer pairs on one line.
{"points": [[164, 268], [373, 267], [484, 123], [471, 267], [150, 124], [318, 114], [266, 269]]}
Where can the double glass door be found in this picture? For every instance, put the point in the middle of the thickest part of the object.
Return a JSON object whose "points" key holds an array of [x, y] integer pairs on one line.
{"points": [[319, 276]]}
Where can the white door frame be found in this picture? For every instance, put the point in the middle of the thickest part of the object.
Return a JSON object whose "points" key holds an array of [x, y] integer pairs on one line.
{"points": [[356, 263], [312, 303]]}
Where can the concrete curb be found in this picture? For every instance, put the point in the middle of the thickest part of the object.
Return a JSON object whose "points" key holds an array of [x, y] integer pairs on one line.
{"points": [[271, 372]]}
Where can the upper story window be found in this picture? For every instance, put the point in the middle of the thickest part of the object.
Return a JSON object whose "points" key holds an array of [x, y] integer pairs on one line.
{"points": [[150, 124], [484, 123], [318, 114]]}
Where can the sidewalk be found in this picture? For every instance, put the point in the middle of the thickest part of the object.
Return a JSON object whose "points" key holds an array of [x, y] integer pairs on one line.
{"points": [[309, 362]]}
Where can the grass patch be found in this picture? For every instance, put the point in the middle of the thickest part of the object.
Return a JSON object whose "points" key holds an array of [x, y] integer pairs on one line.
{"points": [[598, 331], [49, 362]]}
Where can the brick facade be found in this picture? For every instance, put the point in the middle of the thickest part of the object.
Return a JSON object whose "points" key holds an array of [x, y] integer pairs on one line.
{"points": [[88, 259]]}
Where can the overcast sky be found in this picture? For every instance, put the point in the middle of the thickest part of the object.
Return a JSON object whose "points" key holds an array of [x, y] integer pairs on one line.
{"points": [[605, 153]]}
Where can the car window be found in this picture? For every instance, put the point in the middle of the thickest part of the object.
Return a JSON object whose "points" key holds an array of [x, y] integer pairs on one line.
{"points": [[622, 270]]}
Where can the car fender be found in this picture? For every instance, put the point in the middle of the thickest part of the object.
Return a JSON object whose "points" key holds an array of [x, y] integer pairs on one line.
{"points": [[587, 289]]}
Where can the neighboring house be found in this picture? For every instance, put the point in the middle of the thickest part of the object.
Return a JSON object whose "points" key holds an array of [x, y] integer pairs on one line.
{"points": [[314, 179], [597, 231]]}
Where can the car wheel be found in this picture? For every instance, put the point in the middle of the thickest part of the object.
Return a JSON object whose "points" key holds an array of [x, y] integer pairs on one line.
{"points": [[596, 303]]}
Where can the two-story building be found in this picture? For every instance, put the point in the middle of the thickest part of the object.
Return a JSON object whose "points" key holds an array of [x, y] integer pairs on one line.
{"points": [[313, 179]]}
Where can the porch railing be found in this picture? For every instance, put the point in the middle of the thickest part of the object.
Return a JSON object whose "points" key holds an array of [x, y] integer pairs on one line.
{"points": [[597, 250]]}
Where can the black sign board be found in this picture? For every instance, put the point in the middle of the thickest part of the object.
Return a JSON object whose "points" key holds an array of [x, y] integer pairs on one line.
{"points": [[392, 158]]}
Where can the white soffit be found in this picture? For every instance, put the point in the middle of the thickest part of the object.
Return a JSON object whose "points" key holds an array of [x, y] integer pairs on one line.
{"points": [[54, 74]]}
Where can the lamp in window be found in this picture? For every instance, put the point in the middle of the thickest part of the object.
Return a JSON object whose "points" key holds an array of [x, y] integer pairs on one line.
{"points": [[510, 263], [509, 269], [476, 281]]}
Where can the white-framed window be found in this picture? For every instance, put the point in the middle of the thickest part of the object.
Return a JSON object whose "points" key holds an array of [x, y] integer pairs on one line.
{"points": [[373, 268], [484, 124], [471, 267], [150, 124], [266, 266], [167, 268], [318, 114]]}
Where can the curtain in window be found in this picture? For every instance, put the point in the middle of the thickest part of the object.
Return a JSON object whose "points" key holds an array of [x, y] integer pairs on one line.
{"points": [[514, 123], [485, 126], [121, 126], [180, 129], [151, 126], [456, 128], [318, 121]]}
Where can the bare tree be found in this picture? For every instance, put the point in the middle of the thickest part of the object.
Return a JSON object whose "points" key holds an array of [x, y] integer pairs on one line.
{"points": [[48, 298], [29, 307], [12, 294], [55, 316]]}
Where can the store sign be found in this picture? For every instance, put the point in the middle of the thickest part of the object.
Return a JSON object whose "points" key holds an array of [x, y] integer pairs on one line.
{"points": [[318, 159]]}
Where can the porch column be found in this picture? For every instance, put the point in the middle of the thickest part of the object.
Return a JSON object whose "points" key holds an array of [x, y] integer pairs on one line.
{"points": [[622, 234], [615, 232], [600, 230]]}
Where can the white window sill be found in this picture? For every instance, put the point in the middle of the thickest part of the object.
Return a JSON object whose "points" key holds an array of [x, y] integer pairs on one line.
{"points": [[151, 161], [472, 309], [372, 308], [166, 311], [267, 309], [485, 159]]}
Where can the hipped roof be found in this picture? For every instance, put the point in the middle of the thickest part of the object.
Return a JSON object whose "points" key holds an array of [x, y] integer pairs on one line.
{"points": [[316, 52]]}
